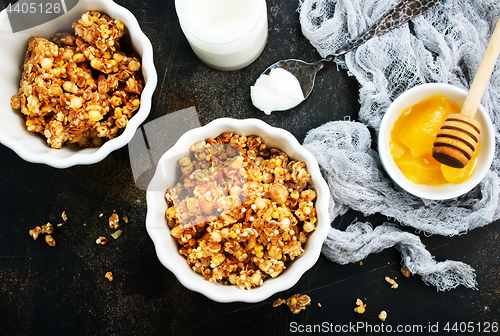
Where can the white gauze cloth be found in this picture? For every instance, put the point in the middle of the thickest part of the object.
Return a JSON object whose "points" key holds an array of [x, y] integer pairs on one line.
{"points": [[445, 45]]}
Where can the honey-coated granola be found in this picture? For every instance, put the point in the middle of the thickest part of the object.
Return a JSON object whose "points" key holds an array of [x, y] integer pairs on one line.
{"points": [[79, 89], [241, 210], [296, 302]]}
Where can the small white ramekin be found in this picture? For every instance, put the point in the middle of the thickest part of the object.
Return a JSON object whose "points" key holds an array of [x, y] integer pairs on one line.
{"points": [[412, 97]]}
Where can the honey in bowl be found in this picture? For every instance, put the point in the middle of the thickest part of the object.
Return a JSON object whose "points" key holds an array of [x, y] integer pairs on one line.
{"points": [[412, 139]]}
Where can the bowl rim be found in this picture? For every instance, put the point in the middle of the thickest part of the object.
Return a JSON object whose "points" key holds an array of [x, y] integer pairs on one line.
{"points": [[82, 157], [409, 98], [178, 265]]}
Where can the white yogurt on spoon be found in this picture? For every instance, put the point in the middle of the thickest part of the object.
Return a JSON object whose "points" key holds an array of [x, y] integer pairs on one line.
{"points": [[278, 91]]}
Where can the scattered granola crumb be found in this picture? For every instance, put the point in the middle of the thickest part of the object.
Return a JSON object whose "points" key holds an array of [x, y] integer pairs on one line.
{"points": [[101, 241], [319, 304], [48, 228], [278, 302], [382, 316], [100, 215], [64, 217], [125, 219], [35, 232], [109, 276], [113, 221], [405, 271], [393, 283], [296, 302], [116, 234], [360, 263], [360, 307], [50, 240], [59, 224]]}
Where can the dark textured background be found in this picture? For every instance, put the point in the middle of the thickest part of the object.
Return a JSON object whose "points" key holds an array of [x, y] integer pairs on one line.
{"points": [[63, 291]]}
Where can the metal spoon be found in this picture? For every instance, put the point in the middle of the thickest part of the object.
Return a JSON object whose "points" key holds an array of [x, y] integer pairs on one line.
{"points": [[306, 72]]}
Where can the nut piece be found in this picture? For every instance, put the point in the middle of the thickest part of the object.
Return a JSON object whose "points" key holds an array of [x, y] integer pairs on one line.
{"points": [[47, 228], [382, 316], [109, 276], [101, 241], [35, 232], [392, 282], [50, 240], [278, 302], [113, 221], [116, 234], [405, 271], [360, 307]]}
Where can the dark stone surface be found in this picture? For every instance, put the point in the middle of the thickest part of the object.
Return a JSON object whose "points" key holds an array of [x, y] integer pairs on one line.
{"points": [[63, 291]]}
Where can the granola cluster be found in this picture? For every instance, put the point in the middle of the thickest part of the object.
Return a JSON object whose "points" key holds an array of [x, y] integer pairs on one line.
{"points": [[47, 229], [241, 210], [80, 89], [296, 302]]}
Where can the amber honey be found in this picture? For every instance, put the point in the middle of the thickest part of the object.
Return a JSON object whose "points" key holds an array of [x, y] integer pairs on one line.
{"points": [[412, 139]]}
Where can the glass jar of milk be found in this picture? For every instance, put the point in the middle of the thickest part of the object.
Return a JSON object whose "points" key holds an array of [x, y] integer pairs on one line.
{"points": [[224, 34]]}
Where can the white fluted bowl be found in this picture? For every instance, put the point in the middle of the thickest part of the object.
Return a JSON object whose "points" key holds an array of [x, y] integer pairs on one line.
{"points": [[31, 146], [168, 173]]}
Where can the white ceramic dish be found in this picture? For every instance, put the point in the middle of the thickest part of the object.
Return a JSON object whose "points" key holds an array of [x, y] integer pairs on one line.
{"points": [[32, 147], [486, 142], [167, 174]]}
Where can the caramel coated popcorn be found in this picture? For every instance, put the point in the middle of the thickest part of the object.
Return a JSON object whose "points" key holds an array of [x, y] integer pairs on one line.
{"points": [[241, 210], [79, 89]]}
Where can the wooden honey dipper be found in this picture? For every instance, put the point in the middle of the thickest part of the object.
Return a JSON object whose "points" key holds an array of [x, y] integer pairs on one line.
{"points": [[458, 137]]}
